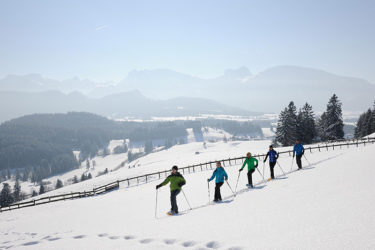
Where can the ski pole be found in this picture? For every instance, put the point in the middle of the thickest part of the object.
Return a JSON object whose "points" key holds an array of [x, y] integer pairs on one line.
{"points": [[186, 199], [156, 203], [209, 196], [281, 168], [230, 188], [264, 165], [235, 190], [261, 175], [307, 160]]}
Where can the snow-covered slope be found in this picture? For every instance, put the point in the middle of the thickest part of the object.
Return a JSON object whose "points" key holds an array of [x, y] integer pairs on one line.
{"points": [[328, 205]]}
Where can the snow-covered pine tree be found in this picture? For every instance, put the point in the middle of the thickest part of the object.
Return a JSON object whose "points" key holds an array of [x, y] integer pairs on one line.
{"points": [[331, 125], [41, 188], [34, 193], [358, 131], [306, 128], [59, 184], [6, 197], [280, 129], [87, 164], [286, 131], [17, 191]]}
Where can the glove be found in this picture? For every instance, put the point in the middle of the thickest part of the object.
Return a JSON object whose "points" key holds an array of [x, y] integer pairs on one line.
{"points": [[158, 186], [240, 169], [181, 184]]}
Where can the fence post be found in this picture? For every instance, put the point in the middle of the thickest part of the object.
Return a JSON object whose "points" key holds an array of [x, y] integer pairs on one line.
{"points": [[319, 147], [128, 183], [333, 146]]}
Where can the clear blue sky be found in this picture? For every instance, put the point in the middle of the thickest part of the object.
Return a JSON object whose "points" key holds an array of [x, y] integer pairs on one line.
{"points": [[104, 40]]}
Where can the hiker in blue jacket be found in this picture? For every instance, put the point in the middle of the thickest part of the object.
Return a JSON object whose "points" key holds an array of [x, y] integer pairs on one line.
{"points": [[298, 151], [273, 156], [220, 175]]}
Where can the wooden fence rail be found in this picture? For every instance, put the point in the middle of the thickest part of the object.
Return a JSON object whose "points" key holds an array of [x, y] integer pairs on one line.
{"points": [[138, 180]]}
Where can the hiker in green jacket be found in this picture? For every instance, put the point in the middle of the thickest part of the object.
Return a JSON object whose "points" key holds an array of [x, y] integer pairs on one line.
{"points": [[176, 182], [252, 164]]}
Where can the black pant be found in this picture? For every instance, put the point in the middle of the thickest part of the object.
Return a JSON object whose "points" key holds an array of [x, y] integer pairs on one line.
{"points": [[298, 159], [174, 194], [217, 191], [249, 177], [272, 165]]}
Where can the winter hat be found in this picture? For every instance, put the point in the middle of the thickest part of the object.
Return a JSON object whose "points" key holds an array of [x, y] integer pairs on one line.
{"points": [[175, 168]]}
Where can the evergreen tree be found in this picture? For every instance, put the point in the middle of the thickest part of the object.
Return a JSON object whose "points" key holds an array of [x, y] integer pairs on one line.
{"points": [[41, 188], [3, 175], [87, 164], [17, 191], [93, 163], [148, 147], [6, 197], [17, 174], [365, 124], [34, 193], [25, 175], [225, 139], [286, 131], [75, 179], [89, 176], [59, 184], [306, 128], [330, 124], [83, 177]]}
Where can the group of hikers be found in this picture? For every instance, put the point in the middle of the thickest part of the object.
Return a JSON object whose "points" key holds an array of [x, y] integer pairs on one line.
{"points": [[176, 180]]}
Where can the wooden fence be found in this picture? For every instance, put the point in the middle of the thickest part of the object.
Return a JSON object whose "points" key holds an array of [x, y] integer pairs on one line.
{"points": [[137, 180]]}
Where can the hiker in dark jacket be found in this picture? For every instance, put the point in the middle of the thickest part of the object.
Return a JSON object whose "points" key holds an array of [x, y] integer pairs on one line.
{"points": [[298, 151], [220, 175], [273, 156], [176, 181]]}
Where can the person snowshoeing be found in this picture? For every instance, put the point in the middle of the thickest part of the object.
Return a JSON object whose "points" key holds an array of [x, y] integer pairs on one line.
{"points": [[252, 164], [298, 151], [176, 182], [220, 176], [273, 156]]}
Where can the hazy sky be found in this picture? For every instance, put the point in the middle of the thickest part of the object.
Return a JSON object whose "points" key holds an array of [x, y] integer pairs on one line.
{"points": [[104, 40]]}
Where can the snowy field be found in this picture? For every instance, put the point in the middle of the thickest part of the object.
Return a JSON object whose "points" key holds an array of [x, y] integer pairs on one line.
{"points": [[328, 205]]}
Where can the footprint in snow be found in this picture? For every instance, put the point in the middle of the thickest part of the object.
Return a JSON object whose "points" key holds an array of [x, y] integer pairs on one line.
{"points": [[169, 241], [30, 243], [79, 237], [213, 245], [235, 248], [129, 237], [145, 241], [188, 243], [54, 239], [102, 235], [114, 237]]}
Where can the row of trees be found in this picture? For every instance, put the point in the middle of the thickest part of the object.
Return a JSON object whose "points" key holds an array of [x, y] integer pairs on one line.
{"points": [[366, 123], [304, 126]]}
